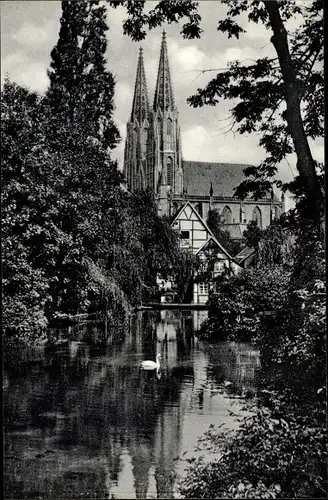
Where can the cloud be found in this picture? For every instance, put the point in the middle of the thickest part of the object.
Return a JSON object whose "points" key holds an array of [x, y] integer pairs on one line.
{"points": [[33, 35], [115, 18], [118, 152], [185, 58], [25, 72], [197, 144]]}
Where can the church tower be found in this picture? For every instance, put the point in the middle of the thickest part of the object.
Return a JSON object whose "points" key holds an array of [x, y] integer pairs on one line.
{"points": [[136, 161], [166, 143], [152, 156]]}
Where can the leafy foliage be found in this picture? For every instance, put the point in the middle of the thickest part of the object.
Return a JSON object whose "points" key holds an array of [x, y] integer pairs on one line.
{"points": [[275, 453], [170, 11], [222, 235], [73, 239], [279, 450], [81, 88], [252, 234], [237, 302]]}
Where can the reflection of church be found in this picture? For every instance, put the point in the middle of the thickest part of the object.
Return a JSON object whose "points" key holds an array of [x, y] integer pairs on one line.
{"points": [[153, 159]]}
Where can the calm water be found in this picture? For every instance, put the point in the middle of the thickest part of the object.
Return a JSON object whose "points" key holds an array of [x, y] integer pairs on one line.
{"points": [[83, 421]]}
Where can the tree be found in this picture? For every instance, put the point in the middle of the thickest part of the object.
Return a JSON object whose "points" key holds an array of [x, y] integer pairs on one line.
{"points": [[222, 235], [275, 246], [81, 90], [25, 286], [281, 98], [252, 234], [81, 132]]}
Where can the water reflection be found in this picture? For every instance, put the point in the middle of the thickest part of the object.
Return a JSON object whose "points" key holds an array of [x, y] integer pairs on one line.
{"points": [[85, 420]]}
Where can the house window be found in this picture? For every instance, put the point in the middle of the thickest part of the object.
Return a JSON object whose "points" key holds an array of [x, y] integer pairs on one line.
{"points": [[218, 266], [185, 235], [203, 289]]}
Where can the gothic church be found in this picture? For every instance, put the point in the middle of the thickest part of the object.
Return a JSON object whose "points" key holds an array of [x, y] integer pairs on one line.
{"points": [[153, 159]]}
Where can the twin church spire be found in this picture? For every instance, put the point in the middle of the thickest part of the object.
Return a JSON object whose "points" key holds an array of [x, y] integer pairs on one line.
{"points": [[140, 106], [163, 98], [152, 157]]}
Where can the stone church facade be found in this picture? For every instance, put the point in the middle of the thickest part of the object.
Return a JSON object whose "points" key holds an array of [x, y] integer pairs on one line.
{"points": [[153, 159]]}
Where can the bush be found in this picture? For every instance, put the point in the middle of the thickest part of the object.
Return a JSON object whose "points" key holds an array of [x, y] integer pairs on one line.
{"points": [[236, 306]]}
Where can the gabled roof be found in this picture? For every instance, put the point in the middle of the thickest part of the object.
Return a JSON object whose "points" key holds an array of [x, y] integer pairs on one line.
{"points": [[195, 212], [205, 226], [224, 177], [212, 238], [218, 244]]}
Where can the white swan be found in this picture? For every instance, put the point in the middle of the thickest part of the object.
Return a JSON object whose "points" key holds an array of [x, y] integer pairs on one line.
{"points": [[151, 365]]}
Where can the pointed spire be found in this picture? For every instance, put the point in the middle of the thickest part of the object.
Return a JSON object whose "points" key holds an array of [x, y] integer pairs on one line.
{"points": [[140, 106], [163, 94]]}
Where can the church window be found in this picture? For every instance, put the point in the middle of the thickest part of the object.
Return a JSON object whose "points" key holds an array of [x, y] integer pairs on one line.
{"points": [[257, 216], [175, 207], [159, 126], [159, 133], [169, 126], [169, 134], [145, 132], [199, 208], [276, 213], [169, 173], [226, 216]]}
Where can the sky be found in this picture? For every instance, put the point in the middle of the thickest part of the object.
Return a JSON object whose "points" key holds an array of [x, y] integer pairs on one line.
{"points": [[29, 31]]}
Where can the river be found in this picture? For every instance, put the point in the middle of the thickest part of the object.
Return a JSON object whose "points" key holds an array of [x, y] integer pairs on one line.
{"points": [[82, 420]]}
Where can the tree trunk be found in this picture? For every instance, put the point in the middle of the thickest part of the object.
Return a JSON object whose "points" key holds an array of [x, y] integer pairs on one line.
{"points": [[305, 162]]}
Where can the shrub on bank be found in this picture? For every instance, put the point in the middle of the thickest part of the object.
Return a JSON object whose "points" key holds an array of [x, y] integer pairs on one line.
{"points": [[280, 450], [236, 305], [274, 454]]}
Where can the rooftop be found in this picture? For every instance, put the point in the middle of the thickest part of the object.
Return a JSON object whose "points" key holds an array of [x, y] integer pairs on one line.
{"points": [[198, 176], [224, 177]]}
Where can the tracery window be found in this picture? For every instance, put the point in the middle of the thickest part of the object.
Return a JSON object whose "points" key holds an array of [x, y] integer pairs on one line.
{"points": [[199, 208], [169, 126], [276, 213], [226, 216], [145, 135], [257, 216]]}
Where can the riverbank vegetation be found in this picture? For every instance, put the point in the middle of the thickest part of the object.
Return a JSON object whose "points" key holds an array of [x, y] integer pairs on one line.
{"points": [[73, 239], [280, 450]]}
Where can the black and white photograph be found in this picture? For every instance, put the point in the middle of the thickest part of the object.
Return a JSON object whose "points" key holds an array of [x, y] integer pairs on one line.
{"points": [[163, 249]]}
